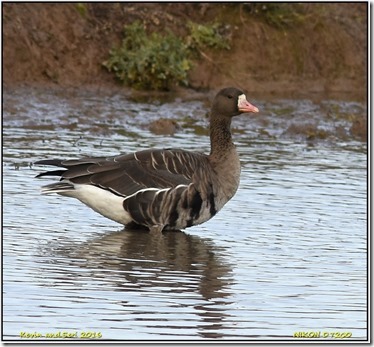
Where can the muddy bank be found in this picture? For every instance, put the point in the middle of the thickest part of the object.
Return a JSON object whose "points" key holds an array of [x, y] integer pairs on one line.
{"points": [[110, 112], [65, 44]]}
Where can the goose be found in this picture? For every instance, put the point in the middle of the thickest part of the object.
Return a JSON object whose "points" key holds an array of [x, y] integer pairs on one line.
{"points": [[159, 189]]}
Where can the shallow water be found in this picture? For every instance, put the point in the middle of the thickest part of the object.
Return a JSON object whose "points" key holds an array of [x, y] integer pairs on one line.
{"points": [[287, 254]]}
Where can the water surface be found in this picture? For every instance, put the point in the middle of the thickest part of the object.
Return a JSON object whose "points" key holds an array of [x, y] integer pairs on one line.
{"points": [[287, 254]]}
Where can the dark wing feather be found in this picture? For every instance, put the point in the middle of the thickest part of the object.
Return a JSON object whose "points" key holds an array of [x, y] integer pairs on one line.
{"points": [[126, 174]]}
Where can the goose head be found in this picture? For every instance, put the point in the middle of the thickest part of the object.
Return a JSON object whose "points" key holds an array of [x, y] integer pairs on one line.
{"points": [[230, 102]]}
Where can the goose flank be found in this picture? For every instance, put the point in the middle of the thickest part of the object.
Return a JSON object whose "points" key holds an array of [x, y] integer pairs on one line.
{"points": [[160, 189]]}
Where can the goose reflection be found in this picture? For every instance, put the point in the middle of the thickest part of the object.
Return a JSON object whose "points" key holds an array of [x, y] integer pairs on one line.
{"points": [[184, 269]]}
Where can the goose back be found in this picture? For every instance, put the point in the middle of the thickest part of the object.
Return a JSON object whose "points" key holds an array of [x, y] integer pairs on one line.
{"points": [[126, 174]]}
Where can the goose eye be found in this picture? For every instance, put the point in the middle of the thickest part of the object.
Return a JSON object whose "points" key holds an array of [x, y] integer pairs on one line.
{"points": [[230, 96]]}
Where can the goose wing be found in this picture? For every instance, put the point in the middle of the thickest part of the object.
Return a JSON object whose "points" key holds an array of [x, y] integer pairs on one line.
{"points": [[128, 173]]}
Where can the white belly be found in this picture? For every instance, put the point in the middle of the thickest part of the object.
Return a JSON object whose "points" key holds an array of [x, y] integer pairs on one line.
{"points": [[102, 201]]}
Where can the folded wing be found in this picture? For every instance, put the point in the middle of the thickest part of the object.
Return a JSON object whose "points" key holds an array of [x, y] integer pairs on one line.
{"points": [[128, 173]]}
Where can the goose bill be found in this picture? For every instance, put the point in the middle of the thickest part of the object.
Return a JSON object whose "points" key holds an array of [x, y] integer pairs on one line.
{"points": [[245, 106]]}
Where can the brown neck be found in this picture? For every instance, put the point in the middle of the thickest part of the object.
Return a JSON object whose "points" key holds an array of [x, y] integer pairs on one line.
{"points": [[220, 136]]}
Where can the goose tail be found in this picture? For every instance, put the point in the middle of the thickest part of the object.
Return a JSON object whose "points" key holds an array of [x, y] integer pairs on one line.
{"points": [[59, 187]]}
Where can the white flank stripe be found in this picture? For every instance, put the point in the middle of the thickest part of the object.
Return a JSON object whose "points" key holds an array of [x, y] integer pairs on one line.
{"points": [[101, 201]]}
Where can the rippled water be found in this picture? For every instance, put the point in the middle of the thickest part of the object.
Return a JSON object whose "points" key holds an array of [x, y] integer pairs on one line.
{"points": [[287, 254]]}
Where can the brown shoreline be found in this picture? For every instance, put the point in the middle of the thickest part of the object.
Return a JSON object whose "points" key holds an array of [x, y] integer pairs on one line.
{"points": [[64, 45]]}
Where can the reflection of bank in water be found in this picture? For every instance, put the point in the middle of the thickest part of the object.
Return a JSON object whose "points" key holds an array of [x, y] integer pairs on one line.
{"points": [[153, 272]]}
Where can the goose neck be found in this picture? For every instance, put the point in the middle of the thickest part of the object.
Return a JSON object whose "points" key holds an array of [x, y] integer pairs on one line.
{"points": [[220, 136]]}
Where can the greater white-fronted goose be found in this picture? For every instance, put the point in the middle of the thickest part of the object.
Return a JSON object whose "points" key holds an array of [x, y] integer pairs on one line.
{"points": [[161, 189]]}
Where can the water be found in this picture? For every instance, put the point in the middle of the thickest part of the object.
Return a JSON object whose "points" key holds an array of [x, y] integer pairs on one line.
{"points": [[287, 254]]}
